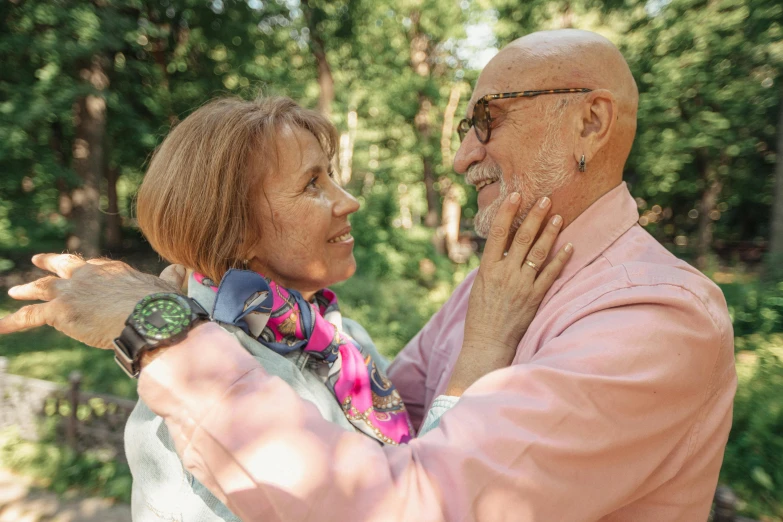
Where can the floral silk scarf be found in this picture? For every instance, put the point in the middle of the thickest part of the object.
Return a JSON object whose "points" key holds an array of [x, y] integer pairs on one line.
{"points": [[284, 321]]}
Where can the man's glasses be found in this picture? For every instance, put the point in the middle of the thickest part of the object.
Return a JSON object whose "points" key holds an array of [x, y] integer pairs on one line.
{"points": [[482, 119]]}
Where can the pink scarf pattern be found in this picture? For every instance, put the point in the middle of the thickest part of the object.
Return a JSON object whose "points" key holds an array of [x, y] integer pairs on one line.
{"points": [[284, 321]]}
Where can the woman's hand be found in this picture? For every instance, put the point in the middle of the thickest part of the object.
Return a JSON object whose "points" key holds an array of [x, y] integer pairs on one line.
{"points": [[86, 300], [507, 290]]}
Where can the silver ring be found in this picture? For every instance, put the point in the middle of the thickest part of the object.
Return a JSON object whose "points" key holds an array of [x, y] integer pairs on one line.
{"points": [[532, 265]]}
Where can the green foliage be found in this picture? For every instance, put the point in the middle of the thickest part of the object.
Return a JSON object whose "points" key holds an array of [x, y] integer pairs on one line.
{"points": [[391, 312], [61, 469], [753, 465], [756, 307], [709, 75], [707, 114], [46, 354]]}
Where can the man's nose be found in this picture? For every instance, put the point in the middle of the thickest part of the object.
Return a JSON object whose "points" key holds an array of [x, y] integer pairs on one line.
{"points": [[470, 151]]}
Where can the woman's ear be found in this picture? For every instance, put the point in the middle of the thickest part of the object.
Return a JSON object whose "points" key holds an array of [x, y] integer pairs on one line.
{"points": [[597, 117]]}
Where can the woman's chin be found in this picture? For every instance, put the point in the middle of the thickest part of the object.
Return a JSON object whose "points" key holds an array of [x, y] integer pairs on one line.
{"points": [[345, 273], [350, 270]]}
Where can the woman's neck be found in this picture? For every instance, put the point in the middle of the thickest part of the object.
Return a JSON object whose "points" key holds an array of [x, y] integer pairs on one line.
{"points": [[277, 278]]}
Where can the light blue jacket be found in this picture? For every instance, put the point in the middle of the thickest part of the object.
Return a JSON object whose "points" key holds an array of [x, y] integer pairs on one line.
{"points": [[162, 488]]}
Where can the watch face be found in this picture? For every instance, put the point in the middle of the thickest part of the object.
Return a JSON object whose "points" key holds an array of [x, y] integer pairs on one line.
{"points": [[161, 317]]}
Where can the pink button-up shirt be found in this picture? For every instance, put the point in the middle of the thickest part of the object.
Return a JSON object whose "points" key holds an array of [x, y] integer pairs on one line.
{"points": [[617, 407]]}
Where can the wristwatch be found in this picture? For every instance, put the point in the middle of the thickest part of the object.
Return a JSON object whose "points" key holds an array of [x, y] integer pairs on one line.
{"points": [[158, 320]]}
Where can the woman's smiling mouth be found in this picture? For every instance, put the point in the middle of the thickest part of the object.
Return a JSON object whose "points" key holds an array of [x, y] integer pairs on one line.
{"points": [[345, 235]]}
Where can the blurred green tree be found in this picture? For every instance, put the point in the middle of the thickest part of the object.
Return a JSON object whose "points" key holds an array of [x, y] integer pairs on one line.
{"points": [[90, 87], [702, 167]]}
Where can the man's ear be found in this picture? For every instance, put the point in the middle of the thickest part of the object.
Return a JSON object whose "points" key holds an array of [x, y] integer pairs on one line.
{"points": [[597, 117]]}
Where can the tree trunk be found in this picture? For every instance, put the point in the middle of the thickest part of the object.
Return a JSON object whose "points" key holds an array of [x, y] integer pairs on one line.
{"points": [[325, 79], [424, 131], [776, 227], [419, 49], [449, 224], [113, 230], [64, 203], [346, 148], [708, 204], [448, 125], [566, 18], [88, 163]]}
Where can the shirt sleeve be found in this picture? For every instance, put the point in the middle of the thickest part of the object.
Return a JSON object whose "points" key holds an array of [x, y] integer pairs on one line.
{"points": [[440, 405], [606, 412], [408, 371]]}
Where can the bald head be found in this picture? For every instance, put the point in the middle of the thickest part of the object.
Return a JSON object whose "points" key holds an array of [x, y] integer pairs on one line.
{"points": [[568, 58], [535, 146], [571, 56]]}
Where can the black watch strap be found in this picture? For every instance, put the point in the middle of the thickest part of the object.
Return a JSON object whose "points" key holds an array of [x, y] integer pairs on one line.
{"points": [[127, 350], [130, 345], [198, 310]]}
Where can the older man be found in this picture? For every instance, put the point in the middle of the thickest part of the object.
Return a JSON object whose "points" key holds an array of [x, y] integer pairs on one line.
{"points": [[618, 403]]}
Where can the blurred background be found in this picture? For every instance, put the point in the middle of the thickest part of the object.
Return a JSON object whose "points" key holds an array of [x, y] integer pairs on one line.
{"points": [[88, 88]]}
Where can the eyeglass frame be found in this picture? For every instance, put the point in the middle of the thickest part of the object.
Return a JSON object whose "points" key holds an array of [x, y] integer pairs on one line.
{"points": [[465, 124]]}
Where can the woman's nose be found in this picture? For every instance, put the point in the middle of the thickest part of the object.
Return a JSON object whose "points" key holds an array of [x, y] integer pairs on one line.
{"points": [[345, 203]]}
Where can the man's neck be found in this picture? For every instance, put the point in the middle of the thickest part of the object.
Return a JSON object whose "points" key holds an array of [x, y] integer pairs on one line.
{"points": [[571, 201]]}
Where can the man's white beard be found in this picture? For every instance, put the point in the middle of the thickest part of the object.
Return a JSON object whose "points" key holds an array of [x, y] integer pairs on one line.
{"points": [[547, 174]]}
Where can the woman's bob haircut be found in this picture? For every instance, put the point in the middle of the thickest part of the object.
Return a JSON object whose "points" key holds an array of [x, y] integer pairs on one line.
{"points": [[195, 205]]}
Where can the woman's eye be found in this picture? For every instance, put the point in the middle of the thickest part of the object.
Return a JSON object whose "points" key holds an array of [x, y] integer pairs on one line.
{"points": [[313, 182], [331, 173]]}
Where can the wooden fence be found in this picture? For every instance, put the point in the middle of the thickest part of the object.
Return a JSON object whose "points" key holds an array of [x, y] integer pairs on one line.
{"points": [[82, 420]]}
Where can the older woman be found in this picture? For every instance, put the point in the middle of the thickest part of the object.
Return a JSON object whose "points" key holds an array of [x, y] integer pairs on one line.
{"points": [[242, 194]]}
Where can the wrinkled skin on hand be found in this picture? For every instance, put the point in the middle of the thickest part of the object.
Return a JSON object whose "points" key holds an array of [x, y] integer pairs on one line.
{"points": [[509, 286], [86, 300]]}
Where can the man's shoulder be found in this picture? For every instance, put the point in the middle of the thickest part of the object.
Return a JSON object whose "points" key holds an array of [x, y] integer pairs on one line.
{"points": [[649, 269]]}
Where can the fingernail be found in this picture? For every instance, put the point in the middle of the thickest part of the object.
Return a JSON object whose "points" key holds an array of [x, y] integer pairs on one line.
{"points": [[514, 197], [557, 220], [544, 202], [12, 290], [568, 248]]}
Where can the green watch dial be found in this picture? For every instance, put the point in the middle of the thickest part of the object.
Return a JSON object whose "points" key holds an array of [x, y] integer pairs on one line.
{"points": [[161, 318]]}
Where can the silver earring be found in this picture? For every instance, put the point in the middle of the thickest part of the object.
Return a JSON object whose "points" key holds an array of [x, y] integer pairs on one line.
{"points": [[244, 264], [582, 164]]}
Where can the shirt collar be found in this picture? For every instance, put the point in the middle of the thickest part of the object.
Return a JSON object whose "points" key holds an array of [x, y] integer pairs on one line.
{"points": [[594, 230], [202, 294]]}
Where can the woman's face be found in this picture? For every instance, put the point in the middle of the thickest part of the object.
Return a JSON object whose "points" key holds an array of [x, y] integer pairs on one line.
{"points": [[306, 241]]}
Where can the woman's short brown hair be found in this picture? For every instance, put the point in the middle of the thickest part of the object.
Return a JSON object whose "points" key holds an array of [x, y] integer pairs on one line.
{"points": [[193, 205]]}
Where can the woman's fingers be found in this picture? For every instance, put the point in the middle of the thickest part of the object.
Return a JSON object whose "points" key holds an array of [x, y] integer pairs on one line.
{"points": [[99, 261], [498, 234], [61, 264], [528, 231], [177, 275], [26, 317], [43, 289], [551, 271], [540, 251]]}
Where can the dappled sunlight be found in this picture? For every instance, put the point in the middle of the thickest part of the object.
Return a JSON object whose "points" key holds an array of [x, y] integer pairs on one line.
{"points": [[91, 89], [289, 460]]}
